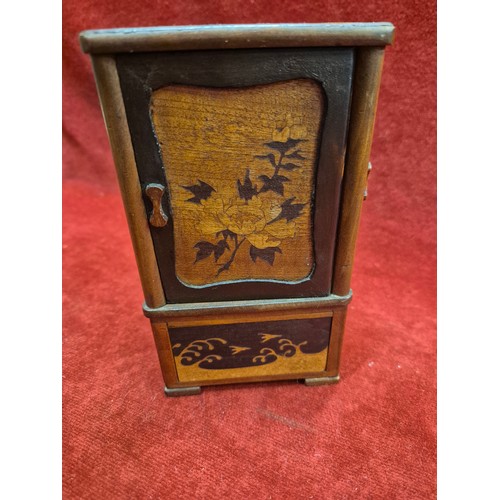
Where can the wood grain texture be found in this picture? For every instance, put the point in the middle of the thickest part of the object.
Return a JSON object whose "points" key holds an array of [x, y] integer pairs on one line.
{"points": [[169, 38], [230, 319], [165, 355], [110, 96], [336, 339], [240, 166], [368, 72], [297, 366]]}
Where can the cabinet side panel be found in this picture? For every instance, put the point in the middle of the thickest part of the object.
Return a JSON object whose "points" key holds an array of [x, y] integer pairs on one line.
{"points": [[113, 110], [367, 75]]}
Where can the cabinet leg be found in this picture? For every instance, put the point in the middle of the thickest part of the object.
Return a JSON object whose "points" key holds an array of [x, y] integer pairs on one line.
{"points": [[182, 391], [321, 381]]}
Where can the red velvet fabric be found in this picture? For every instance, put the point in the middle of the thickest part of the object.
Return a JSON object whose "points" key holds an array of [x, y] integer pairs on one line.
{"points": [[371, 436]]}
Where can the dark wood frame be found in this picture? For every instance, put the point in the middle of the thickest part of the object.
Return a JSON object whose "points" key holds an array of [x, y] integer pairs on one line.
{"points": [[368, 41]]}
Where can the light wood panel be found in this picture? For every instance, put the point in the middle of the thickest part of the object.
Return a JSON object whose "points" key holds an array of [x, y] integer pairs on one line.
{"points": [[240, 166], [364, 105]]}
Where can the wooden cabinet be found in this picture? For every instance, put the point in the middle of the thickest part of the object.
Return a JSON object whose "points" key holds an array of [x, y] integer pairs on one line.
{"points": [[242, 155]]}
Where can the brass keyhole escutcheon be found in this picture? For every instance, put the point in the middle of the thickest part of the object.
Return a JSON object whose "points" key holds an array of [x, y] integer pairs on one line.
{"points": [[157, 217]]}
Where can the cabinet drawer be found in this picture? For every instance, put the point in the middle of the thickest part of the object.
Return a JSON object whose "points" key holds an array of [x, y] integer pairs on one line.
{"points": [[245, 350]]}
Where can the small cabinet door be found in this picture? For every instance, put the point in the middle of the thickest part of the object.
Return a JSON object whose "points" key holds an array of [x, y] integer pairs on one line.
{"points": [[240, 155]]}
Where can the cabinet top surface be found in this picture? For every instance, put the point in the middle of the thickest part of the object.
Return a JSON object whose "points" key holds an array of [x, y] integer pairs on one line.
{"points": [[235, 36]]}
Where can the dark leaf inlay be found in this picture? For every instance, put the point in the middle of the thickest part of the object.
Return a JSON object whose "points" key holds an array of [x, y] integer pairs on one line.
{"points": [[295, 155], [201, 191], [266, 254], [205, 249], [283, 147], [290, 210], [247, 190], [226, 234], [274, 183], [220, 248]]}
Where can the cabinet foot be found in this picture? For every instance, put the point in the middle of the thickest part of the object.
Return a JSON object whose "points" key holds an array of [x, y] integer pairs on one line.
{"points": [[321, 381], [182, 391]]}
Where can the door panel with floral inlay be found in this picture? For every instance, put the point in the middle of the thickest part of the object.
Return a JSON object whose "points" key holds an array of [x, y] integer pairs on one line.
{"points": [[240, 154], [240, 169]]}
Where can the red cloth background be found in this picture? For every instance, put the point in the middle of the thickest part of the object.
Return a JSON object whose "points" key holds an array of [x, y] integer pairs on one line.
{"points": [[371, 436]]}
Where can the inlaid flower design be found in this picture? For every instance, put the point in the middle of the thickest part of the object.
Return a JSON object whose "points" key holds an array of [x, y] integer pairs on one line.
{"points": [[289, 128], [254, 220], [259, 214]]}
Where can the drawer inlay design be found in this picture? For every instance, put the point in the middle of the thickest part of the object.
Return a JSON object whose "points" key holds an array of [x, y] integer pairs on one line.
{"points": [[240, 164], [244, 350]]}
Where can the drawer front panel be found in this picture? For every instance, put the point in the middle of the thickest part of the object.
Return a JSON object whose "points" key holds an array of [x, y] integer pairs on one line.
{"points": [[267, 348]]}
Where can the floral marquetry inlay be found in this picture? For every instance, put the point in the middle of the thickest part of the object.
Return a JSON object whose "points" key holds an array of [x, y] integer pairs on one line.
{"points": [[240, 166]]}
